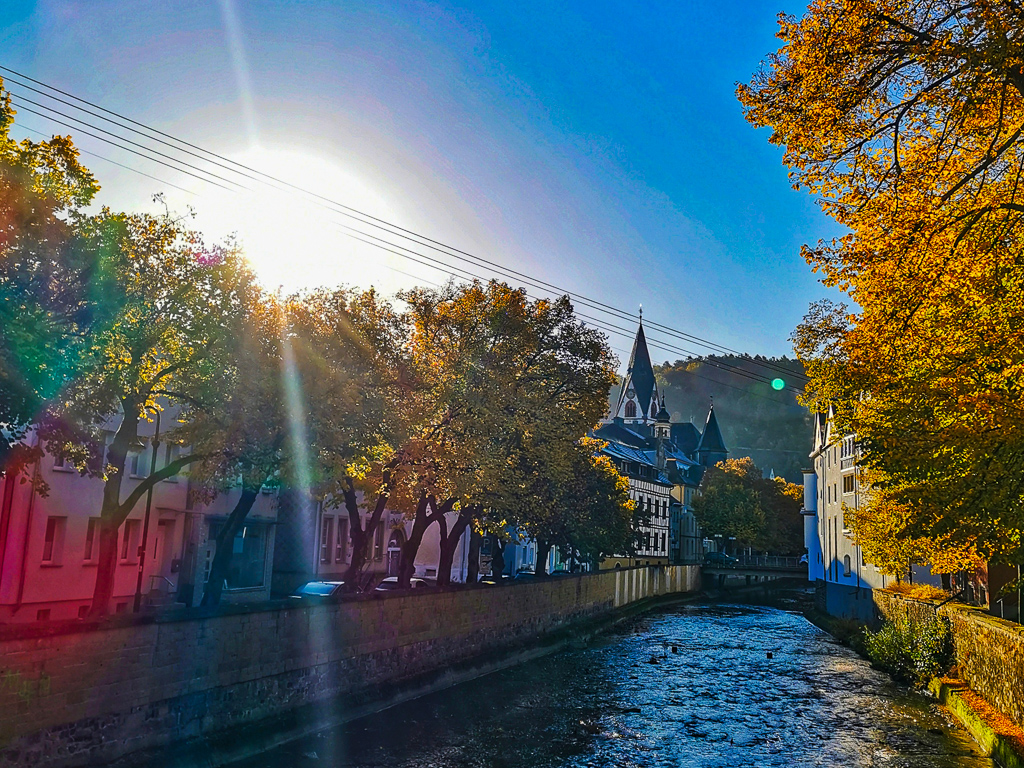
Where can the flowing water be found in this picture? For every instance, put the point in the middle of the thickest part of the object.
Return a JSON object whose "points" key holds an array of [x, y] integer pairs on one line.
{"points": [[689, 687]]}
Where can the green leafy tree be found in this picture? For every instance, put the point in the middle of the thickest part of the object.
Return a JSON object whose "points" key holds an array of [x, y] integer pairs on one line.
{"points": [[166, 348], [51, 288]]}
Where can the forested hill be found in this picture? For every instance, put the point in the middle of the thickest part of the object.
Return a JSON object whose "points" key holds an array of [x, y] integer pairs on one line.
{"points": [[756, 421]]}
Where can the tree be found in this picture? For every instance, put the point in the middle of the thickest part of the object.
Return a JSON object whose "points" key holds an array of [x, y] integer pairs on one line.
{"points": [[503, 378], [50, 288], [165, 348], [728, 505], [352, 403], [905, 117], [244, 440]]}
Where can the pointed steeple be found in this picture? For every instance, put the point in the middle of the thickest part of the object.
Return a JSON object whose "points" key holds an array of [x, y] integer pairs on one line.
{"points": [[711, 448], [639, 389]]}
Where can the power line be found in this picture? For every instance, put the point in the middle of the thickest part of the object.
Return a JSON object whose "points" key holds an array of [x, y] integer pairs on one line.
{"points": [[359, 216]]}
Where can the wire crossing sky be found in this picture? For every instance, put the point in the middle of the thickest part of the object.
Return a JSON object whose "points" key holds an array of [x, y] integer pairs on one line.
{"points": [[599, 148]]}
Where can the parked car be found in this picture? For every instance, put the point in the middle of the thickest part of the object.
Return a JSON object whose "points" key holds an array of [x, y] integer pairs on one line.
{"points": [[561, 572], [525, 574], [390, 584], [720, 558], [319, 591]]}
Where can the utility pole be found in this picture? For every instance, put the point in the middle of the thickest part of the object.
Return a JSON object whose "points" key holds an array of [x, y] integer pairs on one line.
{"points": [[145, 525]]}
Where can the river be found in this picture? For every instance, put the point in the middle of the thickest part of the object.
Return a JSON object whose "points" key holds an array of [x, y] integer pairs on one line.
{"points": [[697, 686]]}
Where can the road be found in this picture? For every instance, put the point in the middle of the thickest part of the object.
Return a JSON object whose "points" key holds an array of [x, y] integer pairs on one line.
{"points": [[717, 701]]}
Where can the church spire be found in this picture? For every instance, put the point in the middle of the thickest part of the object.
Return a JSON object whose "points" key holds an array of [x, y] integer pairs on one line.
{"points": [[711, 448], [638, 397]]}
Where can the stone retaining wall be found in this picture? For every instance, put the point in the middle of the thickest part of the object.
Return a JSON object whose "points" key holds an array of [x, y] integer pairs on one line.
{"points": [[72, 696], [989, 650]]}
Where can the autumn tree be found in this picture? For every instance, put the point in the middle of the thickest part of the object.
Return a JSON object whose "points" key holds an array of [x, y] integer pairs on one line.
{"points": [[737, 501], [352, 404], [728, 506], [165, 349], [905, 118], [503, 378]]}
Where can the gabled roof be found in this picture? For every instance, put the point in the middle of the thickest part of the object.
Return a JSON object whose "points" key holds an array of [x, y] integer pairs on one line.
{"points": [[685, 436], [711, 439]]}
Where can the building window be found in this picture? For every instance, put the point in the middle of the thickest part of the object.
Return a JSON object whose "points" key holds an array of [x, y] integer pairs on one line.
{"points": [[172, 452], [846, 565], [53, 540], [134, 464], [848, 484], [630, 409], [248, 555], [378, 542], [92, 544], [130, 541], [62, 464], [326, 539], [341, 550], [663, 541]]}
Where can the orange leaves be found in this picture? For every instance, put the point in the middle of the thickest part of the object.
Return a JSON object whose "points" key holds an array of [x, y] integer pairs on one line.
{"points": [[906, 117]]}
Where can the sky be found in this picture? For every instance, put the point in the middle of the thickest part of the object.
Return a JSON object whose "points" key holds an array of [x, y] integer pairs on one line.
{"points": [[596, 146]]}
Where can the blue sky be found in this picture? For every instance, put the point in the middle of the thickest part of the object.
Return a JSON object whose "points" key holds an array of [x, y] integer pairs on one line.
{"points": [[596, 145]]}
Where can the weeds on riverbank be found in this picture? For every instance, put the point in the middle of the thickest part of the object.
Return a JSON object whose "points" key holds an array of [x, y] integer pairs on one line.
{"points": [[914, 653]]}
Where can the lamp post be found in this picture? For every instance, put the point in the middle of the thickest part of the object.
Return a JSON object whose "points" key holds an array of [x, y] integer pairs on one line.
{"points": [[137, 606]]}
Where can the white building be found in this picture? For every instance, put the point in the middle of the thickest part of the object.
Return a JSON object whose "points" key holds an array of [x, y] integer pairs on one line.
{"points": [[836, 562]]}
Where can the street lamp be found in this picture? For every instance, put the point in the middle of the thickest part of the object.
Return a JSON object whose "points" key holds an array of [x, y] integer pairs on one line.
{"points": [[137, 606]]}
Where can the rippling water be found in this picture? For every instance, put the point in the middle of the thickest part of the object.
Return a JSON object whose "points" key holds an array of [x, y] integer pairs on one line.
{"points": [[715, 701]]}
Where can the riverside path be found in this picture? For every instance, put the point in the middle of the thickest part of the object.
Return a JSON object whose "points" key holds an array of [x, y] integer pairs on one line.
{"points": [[689, 687]]}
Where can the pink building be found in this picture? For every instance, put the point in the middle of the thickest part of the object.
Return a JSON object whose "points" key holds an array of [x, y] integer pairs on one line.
{"points": [[49, 544]]}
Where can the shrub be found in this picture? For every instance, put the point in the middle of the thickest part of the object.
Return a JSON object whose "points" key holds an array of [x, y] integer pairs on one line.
{"points": [[914, 653]]}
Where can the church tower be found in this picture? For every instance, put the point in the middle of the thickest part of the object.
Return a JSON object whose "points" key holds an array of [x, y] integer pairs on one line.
{"points": [[638, 400], [711, 448]]}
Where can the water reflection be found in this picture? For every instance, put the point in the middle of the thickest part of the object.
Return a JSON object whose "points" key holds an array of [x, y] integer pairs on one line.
{"points": [[693, 687]]}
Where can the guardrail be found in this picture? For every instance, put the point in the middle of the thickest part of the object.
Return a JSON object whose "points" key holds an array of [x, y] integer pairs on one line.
{"points": [[759, 561]]}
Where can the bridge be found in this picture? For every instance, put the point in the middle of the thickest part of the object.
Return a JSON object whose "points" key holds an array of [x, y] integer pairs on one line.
{"points": [[756, 568]]}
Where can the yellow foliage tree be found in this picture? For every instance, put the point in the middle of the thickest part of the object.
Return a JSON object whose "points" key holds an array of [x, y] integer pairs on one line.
{"points": [[905, 118]]}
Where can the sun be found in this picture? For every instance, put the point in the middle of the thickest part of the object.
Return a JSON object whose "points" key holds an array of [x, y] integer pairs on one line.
{"points": [[295, 240]]}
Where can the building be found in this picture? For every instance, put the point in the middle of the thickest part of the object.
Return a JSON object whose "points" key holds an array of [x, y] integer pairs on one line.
{"points": [[663, 461], [836, 562], [49, 545]]}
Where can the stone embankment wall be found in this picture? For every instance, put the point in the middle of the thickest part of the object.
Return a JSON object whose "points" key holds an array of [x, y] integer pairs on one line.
{"points": [[989, 650], [84, 696]]}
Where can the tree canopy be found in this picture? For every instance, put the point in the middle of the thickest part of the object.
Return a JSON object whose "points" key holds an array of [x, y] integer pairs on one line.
{"points": [[905, 118]]}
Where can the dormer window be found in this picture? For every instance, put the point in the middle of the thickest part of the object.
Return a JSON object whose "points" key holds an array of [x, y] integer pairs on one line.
{"points": [[630, 409]]}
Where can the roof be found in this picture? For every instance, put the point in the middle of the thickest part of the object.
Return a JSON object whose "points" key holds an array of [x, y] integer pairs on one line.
{"points": [[620, 434], [639, 373], [711, 439], [685, 436]]}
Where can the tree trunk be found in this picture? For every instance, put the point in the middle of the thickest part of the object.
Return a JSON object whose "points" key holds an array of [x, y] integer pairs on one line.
{"points": [[221, 565], [111, 514], [449, 543], [421, 524], [473, 564], [360, 536], [497, 557], [543, 548]]}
